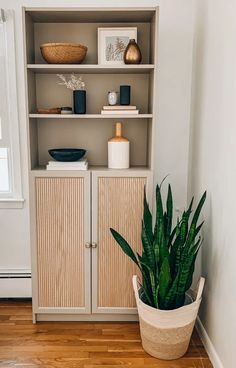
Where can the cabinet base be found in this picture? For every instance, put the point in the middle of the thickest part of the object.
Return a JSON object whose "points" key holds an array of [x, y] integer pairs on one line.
{"points": [[85, 317]]}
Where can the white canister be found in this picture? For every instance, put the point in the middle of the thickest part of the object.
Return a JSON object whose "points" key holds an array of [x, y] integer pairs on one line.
{"points": [[118, 150]]}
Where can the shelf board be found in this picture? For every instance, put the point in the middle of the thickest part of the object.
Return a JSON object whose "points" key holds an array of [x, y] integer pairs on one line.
{"points": [[91, 68], [90, 168], [89, 116]]}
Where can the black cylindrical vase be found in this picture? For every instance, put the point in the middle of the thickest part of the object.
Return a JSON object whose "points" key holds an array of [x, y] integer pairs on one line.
{"points": [[124, 95], [79, 101]]}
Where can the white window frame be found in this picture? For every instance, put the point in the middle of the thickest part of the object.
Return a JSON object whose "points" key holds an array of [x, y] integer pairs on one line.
{"points": [[13, 198]]}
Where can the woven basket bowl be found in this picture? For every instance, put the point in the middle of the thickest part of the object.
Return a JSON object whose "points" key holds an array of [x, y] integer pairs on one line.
{"points": [[63, 53]]}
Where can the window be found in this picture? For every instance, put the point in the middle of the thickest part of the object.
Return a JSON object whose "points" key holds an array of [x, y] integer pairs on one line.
{"points": [[4, 171], [10, 179]]}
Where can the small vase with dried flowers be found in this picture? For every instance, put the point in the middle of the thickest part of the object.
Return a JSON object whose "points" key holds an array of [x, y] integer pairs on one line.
{"points": [[77, 85]]}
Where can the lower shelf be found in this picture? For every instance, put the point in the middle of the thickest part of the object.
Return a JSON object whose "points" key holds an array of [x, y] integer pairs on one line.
{"points": [[91, 169]]}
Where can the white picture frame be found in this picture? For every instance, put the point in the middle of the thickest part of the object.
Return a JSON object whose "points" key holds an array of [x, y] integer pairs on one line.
{"points": [[108, 52]]}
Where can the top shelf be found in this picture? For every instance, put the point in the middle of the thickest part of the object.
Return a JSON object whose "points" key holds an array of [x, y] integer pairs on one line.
{"points": [[91, 15], [91, 68]]}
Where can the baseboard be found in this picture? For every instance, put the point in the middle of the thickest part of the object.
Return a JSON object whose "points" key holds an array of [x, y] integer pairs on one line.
{"points": [[15, 287], [210, 349], [85, 317]]}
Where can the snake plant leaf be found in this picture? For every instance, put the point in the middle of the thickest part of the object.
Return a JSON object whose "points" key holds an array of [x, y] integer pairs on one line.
{"points": [[159, 211], [174, 249], [144, 257], [198, 228], [146, 287], [152, 283], [184, 222], [184, 279], [148, 248], [194, 248], [184, 226], [175, 254], [172, 235], [189, 210], [164, 251], [169, 213], [154, 289], [165, 223], [145, 297], [193, 226], [178, 227], [156, 297], [159, 233], [191, 270], [193, 252], [147, 217], [164, 281], [145, 265], [171, 295], [156, 252], [124, 246], [145, 270], [192, 231], [198, 210]]}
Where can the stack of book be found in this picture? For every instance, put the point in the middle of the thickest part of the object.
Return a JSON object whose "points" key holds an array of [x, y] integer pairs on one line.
{"points": [[119, 109], [75, 165]]}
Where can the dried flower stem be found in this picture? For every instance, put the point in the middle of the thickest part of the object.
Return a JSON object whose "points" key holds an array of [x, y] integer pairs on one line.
{"points": [[72, 83]]}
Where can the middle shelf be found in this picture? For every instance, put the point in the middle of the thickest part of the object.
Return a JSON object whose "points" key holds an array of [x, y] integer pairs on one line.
{"points": [[90, 116], [45, 91]]}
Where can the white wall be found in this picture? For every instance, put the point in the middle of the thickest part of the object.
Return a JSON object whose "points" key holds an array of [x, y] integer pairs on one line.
{"points": [[171, 147], [213, 167]]}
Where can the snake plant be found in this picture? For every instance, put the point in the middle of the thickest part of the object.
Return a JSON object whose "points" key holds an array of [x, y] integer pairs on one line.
{"points": [[168, 252]]}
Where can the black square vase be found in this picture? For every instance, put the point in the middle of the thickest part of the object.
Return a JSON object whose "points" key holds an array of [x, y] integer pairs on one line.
{"points": [[125, 95], [79, 102]]}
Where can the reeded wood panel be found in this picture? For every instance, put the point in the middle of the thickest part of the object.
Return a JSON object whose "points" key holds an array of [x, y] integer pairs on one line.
{"points": [[120, 205], [60, 241]]}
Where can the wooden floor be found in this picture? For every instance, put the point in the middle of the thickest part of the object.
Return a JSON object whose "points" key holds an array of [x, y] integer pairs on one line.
{"points": [[79, 344]]}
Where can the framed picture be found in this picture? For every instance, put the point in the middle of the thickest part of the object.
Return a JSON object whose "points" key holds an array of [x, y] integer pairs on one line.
{"points": [[112, 43]]}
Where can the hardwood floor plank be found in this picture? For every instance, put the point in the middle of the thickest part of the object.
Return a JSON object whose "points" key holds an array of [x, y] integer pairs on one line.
{"points": [[79, 344]]}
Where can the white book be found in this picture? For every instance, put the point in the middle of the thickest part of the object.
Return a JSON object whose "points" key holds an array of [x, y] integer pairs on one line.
{"points": [[66, 168], [119, 112], [119, 107], [81, 162]]}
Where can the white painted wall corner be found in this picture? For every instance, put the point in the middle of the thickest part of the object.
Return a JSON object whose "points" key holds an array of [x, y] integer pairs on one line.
{"points": [[210, 349]]}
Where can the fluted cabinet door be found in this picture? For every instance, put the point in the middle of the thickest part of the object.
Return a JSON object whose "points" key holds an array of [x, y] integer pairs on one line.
{"points": [[118, 203], [62, 258]]}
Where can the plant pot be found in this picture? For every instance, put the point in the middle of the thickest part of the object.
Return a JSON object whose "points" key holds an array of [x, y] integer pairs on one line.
{"points": [[79, 101], [166, 334]]}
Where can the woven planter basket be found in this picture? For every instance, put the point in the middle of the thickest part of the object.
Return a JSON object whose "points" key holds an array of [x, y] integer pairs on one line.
{"points": [[166, 334], [63, 53]]}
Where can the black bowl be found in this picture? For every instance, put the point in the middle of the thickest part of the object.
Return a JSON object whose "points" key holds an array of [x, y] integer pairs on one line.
{"points": [[67, 154]]}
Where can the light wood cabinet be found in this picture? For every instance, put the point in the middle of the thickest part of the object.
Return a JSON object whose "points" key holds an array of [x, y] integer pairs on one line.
{"points": [[79, 268]]}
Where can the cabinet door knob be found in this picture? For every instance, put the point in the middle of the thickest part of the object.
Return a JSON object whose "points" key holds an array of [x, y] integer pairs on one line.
{"points": [[94, 245], [87, 245]]}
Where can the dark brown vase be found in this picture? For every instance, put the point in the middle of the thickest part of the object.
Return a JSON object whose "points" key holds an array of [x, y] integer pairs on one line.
{"points": [[132, 53]]}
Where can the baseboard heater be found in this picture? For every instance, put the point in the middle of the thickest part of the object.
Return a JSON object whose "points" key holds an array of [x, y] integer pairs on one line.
{"points": [[15, 284]]}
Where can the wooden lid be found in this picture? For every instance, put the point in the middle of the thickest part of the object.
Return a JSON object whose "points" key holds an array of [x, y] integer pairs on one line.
{"points": [[118, 137]]}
